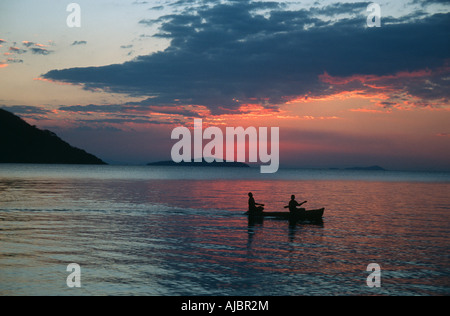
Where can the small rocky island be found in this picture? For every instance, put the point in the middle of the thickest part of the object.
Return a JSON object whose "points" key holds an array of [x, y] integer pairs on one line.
{"points": [[200, 164], [371, 168]]}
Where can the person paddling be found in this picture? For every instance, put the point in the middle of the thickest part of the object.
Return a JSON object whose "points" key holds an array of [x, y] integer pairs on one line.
{"points": [[252, 205], [293, 204]]}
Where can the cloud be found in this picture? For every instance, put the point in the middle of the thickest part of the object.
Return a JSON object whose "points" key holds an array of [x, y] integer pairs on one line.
{"points": [[92, 108], [14, 61], [28, 44], [25, 109], [143, 108], [116, 115], [40, 51], [17, 50], [334, 9], [422, 88], [79, 43], [157, 8], [425, 3], [130, 120], [225, 55]]}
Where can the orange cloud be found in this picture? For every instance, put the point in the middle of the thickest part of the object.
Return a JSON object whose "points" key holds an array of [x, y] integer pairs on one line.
{"points": [[55, 82], [340, 96], [366, 110], [403, 90], [3, 64], [373, 78]]}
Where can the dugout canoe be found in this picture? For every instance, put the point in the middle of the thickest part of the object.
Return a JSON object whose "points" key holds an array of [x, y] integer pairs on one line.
{"points": [[306, 215]]}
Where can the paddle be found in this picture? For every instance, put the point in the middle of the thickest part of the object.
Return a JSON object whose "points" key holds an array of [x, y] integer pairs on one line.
{"points": [[297, 205]]}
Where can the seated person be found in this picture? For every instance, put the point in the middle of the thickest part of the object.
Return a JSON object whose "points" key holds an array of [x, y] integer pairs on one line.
{"points": [[252, 205], [293, 205]]}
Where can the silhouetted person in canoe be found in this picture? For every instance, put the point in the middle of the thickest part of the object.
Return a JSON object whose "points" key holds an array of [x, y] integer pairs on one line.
{"points": [[253, 207], [293, 204]]}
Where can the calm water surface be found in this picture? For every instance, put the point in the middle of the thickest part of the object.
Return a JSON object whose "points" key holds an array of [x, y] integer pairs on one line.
{"points": [[178, 231]]}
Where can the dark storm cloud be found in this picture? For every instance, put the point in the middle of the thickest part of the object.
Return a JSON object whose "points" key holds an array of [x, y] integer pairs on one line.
{"points": [[224, 55]]}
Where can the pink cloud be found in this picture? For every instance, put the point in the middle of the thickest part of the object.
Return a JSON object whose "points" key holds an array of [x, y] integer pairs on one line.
{"points": [[17, 50], [403, 90], [55, 82]]}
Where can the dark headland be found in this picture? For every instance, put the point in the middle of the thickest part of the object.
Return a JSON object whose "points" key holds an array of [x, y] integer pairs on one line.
{"points": [[200, 164], [22, 143]]}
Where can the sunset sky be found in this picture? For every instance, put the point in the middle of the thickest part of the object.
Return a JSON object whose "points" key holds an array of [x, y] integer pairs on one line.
{"points": [[342, 94]]}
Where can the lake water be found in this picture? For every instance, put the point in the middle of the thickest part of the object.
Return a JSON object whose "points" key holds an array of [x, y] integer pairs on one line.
{"points": [[181, 231]]}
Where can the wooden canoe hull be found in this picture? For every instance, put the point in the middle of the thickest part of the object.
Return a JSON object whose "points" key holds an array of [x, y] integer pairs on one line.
{"points": [[306, 215]]}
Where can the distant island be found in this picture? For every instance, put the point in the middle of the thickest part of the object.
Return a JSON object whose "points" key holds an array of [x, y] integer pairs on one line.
{"points": [[200, 164], [371, 168], [23, 143]]}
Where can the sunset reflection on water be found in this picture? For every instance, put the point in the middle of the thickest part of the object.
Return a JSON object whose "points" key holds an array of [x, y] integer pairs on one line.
{"points": [[190, 237]]}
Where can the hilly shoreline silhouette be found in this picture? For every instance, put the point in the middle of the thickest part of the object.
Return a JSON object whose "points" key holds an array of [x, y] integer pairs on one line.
{"points": [[22, 143]]}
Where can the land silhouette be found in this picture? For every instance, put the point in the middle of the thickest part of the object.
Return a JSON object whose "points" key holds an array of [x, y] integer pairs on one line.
{"points": [[200, 164], [371, 168], [22, 143]]}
